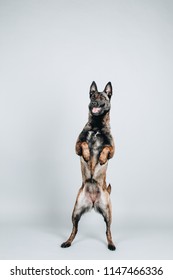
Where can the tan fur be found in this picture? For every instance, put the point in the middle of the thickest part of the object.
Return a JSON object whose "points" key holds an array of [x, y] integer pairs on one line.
{"points": [[94, 155], [93, 195]]}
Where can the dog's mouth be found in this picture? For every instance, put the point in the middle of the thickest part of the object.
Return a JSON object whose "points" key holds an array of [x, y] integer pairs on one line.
{"points": [[96, 110]]}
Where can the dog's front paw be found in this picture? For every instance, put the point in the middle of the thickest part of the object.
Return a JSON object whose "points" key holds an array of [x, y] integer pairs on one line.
{"points": [[104, 155], [85, 151], [102, 160]]}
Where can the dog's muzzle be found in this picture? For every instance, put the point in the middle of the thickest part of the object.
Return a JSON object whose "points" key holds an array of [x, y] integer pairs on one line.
{"points": [[96, 107]]}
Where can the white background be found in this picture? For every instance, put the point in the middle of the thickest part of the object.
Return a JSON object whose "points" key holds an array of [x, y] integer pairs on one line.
{"points": [[50, 52]]}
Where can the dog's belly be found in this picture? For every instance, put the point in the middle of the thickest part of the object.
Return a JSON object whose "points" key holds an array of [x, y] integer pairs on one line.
{"points": [[92, 196], [92, 192], [93, 170]]}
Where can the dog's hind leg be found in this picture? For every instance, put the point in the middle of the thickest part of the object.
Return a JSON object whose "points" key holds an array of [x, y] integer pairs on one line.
{"points": [[82, 206], [106, 211]]}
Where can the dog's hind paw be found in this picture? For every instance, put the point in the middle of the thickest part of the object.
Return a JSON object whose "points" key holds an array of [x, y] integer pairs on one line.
{"points": [[111, 247], [65, 245]]}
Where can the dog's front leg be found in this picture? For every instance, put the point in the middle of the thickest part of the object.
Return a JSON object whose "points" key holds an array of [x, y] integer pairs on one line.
{"points": [[106, 153], [82, 149]]}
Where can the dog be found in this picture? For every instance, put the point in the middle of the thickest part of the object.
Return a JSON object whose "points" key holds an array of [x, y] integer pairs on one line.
{"points": [[95, 146]]}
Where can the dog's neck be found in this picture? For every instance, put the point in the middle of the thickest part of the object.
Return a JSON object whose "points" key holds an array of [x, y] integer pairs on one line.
{"points": [[99, 121]]}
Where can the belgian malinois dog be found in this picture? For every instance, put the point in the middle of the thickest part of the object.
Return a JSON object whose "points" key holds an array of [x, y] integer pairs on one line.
{"points": [[95, 146]]}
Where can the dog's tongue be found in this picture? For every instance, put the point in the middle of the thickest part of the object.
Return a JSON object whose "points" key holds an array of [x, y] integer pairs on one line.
{"points": [[96, 110]]}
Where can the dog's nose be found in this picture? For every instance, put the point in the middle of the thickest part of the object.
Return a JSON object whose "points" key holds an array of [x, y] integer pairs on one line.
{"points": [[94, 103]]}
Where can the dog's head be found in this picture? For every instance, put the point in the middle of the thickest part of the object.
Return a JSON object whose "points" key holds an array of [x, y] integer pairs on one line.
{"points": [[100, 101]]}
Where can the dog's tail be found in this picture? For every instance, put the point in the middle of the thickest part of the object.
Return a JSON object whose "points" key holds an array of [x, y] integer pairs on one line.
{"points": [[109, 188]]}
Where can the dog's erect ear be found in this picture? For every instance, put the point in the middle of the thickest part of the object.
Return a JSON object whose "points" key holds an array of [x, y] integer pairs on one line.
{"points": [[93, 88], [108, 89]]}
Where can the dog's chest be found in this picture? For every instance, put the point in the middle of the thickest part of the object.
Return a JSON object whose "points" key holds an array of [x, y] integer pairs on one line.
{"points": [[95, 140], [92, 168]]}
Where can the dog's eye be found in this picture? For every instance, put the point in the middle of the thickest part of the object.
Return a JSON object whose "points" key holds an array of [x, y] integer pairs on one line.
{"points": [[102, 98], [92, 97]]}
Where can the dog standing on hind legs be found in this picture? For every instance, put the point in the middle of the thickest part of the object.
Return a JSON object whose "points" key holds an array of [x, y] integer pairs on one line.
{"points": [[95, 146]]}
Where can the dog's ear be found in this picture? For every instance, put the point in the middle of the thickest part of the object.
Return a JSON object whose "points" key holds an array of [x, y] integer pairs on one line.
{"points": [[108, 89], [93, 88]]}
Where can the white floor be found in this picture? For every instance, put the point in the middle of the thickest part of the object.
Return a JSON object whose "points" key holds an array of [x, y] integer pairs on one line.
{"points": [[38, 242]]}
